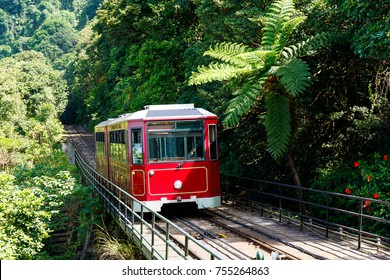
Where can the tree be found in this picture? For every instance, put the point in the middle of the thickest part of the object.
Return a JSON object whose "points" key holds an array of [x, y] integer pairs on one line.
{"points": [[56, 36], [366, 23], [273, 72], [23, 220], [32, 95]]}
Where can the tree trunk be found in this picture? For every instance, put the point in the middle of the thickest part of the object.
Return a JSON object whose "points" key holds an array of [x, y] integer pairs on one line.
{"points": [[297, 181], [293, 168]]}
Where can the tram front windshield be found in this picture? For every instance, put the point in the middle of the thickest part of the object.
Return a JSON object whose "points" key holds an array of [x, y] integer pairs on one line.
{"points": [[174, 141]]}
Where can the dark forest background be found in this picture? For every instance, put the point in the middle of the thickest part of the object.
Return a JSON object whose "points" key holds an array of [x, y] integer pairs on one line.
{"points": [[82, 61]]}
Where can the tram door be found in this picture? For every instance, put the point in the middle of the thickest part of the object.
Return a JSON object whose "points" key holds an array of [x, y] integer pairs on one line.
{"points": [[137, 165]]}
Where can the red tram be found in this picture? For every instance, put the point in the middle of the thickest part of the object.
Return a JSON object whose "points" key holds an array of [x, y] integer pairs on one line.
{"points": [[163, 154]]}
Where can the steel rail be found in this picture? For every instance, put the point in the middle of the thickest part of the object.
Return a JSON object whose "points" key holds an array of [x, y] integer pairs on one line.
{"points": [[206, 235]]}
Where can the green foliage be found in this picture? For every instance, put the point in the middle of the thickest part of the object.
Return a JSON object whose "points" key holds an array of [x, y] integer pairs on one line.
{"points": [[233, 20], [32, 201], [309, 45], [26, 210], [47, 26], [241, 104], [279, 24], [55, 37], [293, 76], [367, 178], [136, 53], [36, 81], [370, 177], [366, 24], [134, 58], [32, 96], [23, 220], [11, 151], [229, 53], [111, 248], [263, 64], [277, 123]]}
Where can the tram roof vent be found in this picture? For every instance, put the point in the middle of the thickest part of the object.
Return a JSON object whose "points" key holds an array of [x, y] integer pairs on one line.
{"points": [[170, 107]]}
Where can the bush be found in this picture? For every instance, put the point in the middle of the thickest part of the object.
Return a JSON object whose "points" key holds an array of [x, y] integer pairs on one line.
{"points": [[367, 178]]}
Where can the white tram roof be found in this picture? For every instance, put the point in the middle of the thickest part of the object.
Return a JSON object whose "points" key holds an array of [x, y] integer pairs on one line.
{"points": [[170, 111], [104, 123]]}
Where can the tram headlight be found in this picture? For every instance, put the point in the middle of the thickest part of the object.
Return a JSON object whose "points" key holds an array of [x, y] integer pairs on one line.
{"points": [[151, 173], [177, 185]]}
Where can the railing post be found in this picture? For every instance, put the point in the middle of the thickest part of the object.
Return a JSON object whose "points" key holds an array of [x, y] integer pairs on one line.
{"points": [[360, 224], [327, 215], [166, 241], [280, 204], [153, 230], [142, 228], [300, 204], [378, 243], [119, 205], [126, 211], [186, 247], [341, 233]]}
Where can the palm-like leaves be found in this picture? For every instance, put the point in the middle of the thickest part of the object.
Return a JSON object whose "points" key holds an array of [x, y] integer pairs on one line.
{"points": [[273, 59], [277, 123], [293, 76]]}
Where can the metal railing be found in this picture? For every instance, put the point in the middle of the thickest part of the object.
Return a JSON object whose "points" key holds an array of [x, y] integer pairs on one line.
{"points": [[154, 235], [340, 215]]}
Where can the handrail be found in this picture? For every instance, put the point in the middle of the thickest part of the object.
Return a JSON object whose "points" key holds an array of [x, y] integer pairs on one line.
{"points": [[147, 235], [312, 206]]}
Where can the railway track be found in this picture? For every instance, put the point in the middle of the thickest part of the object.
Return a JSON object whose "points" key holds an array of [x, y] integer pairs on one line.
{"points": [[230, 238], [233, 232], [77, 137], [213, 239]]}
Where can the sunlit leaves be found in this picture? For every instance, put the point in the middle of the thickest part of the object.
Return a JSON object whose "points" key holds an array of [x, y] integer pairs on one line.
{"points": [[217, 72]]}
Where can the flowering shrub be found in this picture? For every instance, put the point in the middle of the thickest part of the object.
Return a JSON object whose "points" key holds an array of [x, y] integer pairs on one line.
{"points": [[370, 178]]}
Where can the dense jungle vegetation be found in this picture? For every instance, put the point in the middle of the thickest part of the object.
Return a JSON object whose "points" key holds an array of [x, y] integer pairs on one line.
{"points": [[301, 89]]}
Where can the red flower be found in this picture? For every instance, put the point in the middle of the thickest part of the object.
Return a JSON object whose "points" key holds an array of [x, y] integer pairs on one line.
{"points": [[356, 164], [366, 203], [376, 195], [348, 191], [385, 157]]}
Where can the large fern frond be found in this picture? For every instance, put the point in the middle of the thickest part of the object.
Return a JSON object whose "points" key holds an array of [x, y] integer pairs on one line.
{"points": [[259, 58], [243, 101], [241, 55], [278, 124], [229, 52], [278, 14], [287, 30], [216, 72], [313, 43], [294, 76]]}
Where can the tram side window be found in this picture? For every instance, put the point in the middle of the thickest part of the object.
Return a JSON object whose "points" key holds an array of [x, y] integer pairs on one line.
{"points": [[118, 145], [136, 146], [100, 143], [213, 142]]}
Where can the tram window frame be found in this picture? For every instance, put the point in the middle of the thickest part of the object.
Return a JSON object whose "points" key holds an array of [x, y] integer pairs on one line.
{"points": [[213, 142], [136, 143], [172, 141], [118, 145], [100, 143]]}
